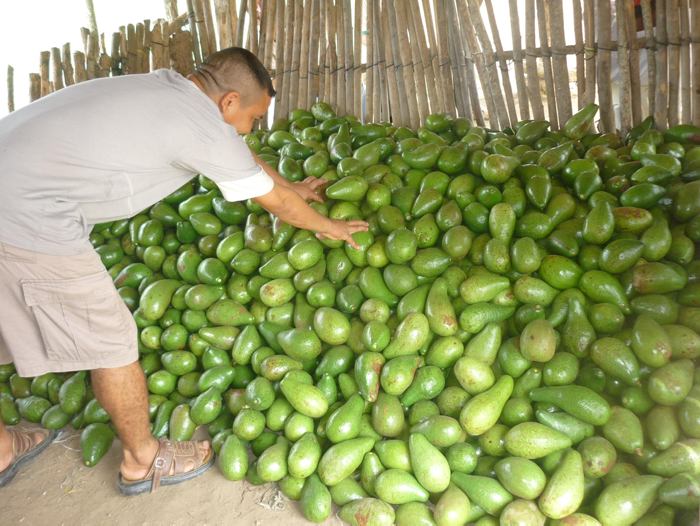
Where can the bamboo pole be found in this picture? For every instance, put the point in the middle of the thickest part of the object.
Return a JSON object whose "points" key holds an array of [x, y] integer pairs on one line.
{"points": [[57, 68], [580, 65], [673, 25], [457, 59], [442, 45], [296, 54], [193, 33], [253, 26], [312, 91], [262, 31], [203, 40], [518, 60], [34, 87], [268, 34], [607, 118], [159, 59], [400, 40], [280, 19], [589, 51], [91, 16], [505, 74], [469, 33], [233, 15], [348, 74], [380, 71], [139, 49], [44, 58], [302, 97], [323, 72], [695, 72], [171, 9], [80, 70], [66, 59], [371, 90], [104, 61], [131, 59], [547, 63], [240, 28], [209, 26], [623, 62], [10, 89], [223, 19], [635, 81], [424, 87], [286, 65], [146, 64], [116, 55], [473, 103], [357, 61], [408, 108], [490, 67], [394, 110], [561, 77], [533, 78], [647, 19], [430, 76], [431, 44], [685, 81], [92, 54], [661, 113], [340, 50], [332, 58]]}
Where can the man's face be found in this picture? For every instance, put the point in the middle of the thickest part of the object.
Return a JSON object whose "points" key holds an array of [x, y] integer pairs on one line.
{"points": [[240, 115]]}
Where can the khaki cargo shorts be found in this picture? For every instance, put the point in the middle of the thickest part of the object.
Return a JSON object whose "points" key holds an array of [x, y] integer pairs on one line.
{"points": [[61, 313]]}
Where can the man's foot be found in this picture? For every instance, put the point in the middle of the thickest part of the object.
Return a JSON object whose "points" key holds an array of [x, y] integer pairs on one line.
{"points": [[21, 447], [174, 462]]}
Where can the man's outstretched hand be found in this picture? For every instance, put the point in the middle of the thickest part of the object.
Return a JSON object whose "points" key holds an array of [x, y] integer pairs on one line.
{"points": [[343, 230], [309, 188]]}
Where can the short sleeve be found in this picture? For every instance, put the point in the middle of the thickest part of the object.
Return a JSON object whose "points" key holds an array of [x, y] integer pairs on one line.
{"points": [[228, 162]]}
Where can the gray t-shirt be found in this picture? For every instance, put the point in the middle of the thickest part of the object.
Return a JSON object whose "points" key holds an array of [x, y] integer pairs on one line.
{"points": [[108, 148]]}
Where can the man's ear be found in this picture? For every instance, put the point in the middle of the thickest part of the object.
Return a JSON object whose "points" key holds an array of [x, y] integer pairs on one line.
{"points": [[230, 102]]}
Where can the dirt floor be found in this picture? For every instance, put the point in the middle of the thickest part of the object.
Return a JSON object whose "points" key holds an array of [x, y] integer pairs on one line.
{"points": [[57, 489]]}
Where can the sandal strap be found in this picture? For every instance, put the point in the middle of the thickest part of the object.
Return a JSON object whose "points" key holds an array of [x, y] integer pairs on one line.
{"points": [[180, 457], [22, 442], [162, 463]]}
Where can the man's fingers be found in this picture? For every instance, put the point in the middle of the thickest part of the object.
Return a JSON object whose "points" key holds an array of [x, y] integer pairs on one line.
{"points": [[313, 196], [358, 226], [350, 241], [315, 183]]}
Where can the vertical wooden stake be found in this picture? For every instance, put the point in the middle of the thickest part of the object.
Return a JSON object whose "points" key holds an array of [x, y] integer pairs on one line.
{"points": [[34, 87], [647, 19], [66, 59], [10, 89], [661, 113], [607, 117], [57, 68], [533, 77], [44, 58]]}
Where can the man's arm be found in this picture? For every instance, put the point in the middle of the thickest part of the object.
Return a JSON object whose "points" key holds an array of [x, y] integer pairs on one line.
{"points": [[286, 204], [306, 188]]}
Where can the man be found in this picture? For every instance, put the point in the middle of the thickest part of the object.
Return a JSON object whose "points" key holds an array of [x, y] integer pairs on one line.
{"points": [[105, 150]]}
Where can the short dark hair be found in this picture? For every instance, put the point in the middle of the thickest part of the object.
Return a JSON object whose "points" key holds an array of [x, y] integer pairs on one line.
{"points": [[235, 69]]}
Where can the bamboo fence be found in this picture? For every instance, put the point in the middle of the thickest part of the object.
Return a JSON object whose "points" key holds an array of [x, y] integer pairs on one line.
{"points": [[400, 60]]}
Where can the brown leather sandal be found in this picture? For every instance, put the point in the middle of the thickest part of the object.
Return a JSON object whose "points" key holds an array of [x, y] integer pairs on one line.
{"points": [[24, 449], [184, 457]]}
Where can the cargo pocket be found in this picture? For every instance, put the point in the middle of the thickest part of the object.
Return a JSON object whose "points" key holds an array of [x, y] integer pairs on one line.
{"points": [[79, 319]]}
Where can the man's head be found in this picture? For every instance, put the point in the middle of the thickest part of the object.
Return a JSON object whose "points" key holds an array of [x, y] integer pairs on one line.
{"points": [[238, 83]]}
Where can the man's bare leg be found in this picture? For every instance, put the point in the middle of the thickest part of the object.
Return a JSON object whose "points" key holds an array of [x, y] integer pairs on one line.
{"points": [[123, 394]]}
